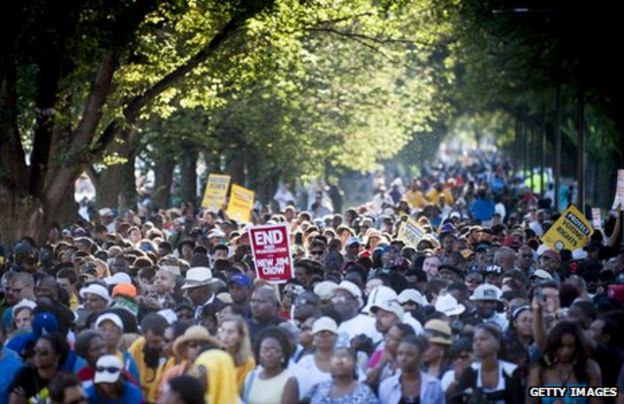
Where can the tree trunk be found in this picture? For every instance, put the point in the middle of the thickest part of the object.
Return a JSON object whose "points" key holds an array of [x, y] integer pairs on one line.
{"points": [[163, 178], [128, 195], [188, 174]]}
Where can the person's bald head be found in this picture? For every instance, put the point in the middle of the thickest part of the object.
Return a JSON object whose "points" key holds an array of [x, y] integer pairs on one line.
{"points": [[263, 303]]}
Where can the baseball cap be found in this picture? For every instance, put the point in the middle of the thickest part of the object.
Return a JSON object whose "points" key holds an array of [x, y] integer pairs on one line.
{"points": [[386, 299], [412, 295], [540, 273], [352, 289], [112, 317], [241, 280], [324, 324], [119, 277], [486, 292], [325, 289], [107, 369]]}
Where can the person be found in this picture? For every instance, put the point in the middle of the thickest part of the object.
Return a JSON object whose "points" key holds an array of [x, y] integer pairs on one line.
{"points": [[387, 366], [9, 365], [146, 350], [216, 372], [109, 386], [184, 389], [186, 348], [31, 381], [460, 355], [343, 387], [90, 346], [66, 388], [519, 336], [111, 327], [411, 385], [565, 362], [488, 379], [23, 315], [234, 338], [271, 382], [347, 300], [264, 307], [439, 338], [315, 368]]}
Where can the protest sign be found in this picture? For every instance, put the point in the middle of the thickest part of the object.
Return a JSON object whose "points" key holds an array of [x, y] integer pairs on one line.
{"points": [[410, 232], [241, 204], [619, 190], [270, 246], [216, 190], [571, 231]]}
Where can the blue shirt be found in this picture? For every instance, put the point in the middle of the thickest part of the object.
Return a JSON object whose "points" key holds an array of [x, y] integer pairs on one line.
{"points": [[129, 394], [9, 364], [430, 390], [482, 209]]}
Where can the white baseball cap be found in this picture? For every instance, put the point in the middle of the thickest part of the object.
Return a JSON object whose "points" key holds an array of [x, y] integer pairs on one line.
{"points": [[97, 290], [386, 299], [352, 289], [487, 292], [107, 369], [324, 324], [119, 277], [112, 317], [412, 295]]}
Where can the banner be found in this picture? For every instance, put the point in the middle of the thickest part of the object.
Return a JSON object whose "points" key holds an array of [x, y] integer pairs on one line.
{"points": [[410, 232], [596, 220], [571, 231], [619, 190], [241, 204], [270, 245], [216, 190]]}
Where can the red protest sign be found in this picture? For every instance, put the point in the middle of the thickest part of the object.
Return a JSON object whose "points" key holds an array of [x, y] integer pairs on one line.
{"points": [[270, 246]]}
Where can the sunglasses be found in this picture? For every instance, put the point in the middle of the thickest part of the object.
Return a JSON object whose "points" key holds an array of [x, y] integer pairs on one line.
{"points": [[80, 400], [109, 369], [316, 252], [41, 352]]}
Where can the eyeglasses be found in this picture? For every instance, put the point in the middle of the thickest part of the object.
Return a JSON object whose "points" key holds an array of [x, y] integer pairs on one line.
{"points": [[80, 400], [339, 299], [109, 369], [41, 352], [316, 252]]}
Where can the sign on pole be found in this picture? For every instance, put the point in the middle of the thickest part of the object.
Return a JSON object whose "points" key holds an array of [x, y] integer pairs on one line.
{"points": [[241, 204], [216, 190], [619, 190], [270, 246], [410, 232], [571, 231], [596, 221]]}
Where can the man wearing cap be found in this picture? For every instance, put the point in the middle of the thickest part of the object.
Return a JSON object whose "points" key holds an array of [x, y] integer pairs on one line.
{"points": [[493, 275], [239, 287], [384, 305], [347, 300], [550, 261], [111, 327], [109, 384], [197, 287], [451, 273], [352, 249], [487, 298]]}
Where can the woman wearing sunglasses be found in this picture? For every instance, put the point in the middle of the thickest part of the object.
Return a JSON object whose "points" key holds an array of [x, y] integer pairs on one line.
{"points": [[30, 383]]}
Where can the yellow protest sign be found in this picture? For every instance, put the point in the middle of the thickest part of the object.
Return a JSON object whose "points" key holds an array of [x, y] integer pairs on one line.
{"points": [[410, 232], [571, 231], [216, 190], [241, 204]]}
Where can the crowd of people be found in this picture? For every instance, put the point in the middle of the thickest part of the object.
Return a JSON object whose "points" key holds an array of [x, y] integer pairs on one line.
{"points": [[167, 307]]}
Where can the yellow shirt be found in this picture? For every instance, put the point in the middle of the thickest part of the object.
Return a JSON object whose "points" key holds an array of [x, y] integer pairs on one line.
{"points": [[146, 374], [416, 199], [221, 376], [243, 370], [155, 388]]}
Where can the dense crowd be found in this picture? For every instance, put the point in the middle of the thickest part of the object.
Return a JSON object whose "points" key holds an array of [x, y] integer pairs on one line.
{"points": [[166, 307]]}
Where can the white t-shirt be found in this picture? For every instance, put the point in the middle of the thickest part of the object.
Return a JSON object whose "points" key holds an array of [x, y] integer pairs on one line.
{"points": [[360, 324]]}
